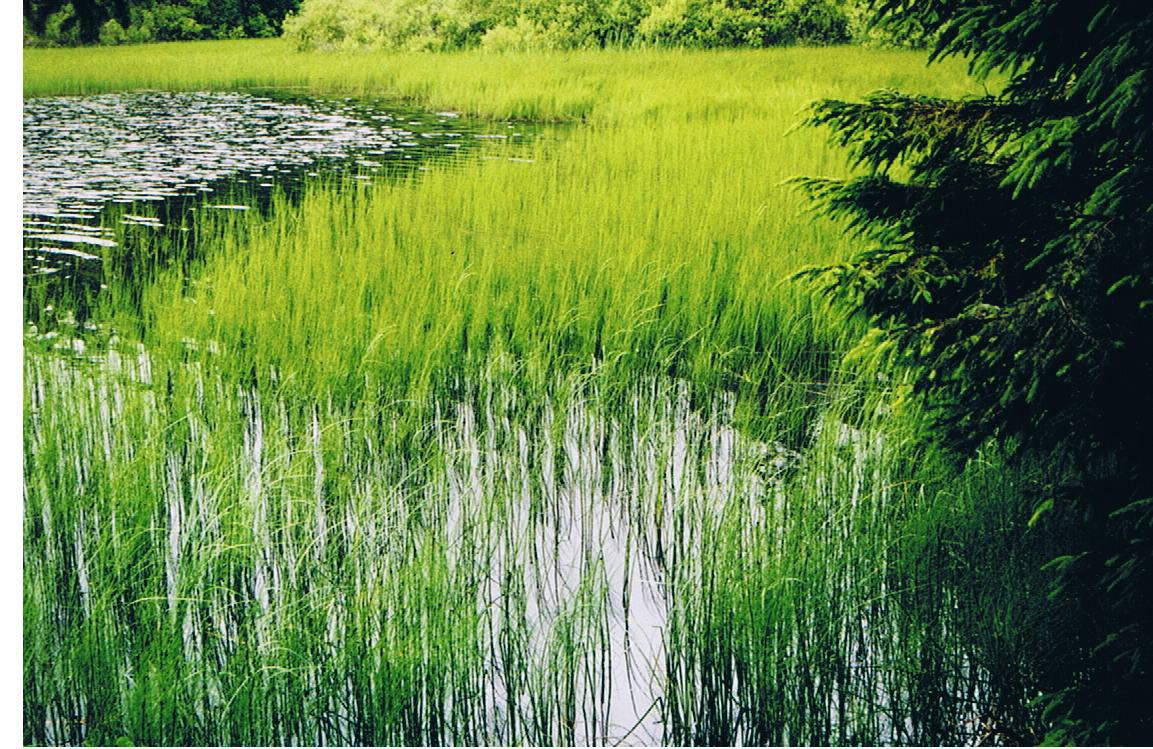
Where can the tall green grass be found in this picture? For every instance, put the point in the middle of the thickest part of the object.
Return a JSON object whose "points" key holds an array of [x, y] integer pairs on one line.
{"points": [[538, 447], [595, 85]]}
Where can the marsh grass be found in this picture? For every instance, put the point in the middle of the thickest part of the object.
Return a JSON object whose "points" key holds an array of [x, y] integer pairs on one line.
{"points": [[538, 447], [599, 86]]}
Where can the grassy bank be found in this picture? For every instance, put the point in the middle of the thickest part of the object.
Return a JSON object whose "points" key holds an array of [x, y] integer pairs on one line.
{"points": [[538, 447], [601, 86], [655, 236]]}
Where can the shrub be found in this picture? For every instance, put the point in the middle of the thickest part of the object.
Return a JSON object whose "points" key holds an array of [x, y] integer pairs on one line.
{"points": [[747, 23], [815, 22], [912, 34], [694, 23], [113, 33], [539, 24], [329, 24], [172, 23], [61, 28], [587, 23], [521, 36], [399, 24], [258, 26]]}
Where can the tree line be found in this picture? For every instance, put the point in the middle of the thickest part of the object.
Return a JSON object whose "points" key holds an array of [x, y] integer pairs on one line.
{"points": [[544, 24], [73, 22], [458, 24]]}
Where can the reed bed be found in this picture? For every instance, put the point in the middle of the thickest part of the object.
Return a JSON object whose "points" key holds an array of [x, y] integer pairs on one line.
{"points": [[599, 86], [538, 447]]}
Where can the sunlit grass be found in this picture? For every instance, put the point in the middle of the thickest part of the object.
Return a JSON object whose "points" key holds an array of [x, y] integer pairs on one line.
{"points": [[596, 85], [539, 447]]}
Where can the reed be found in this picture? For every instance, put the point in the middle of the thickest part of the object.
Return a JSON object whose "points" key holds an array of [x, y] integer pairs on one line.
{"points": [[533, 447]]}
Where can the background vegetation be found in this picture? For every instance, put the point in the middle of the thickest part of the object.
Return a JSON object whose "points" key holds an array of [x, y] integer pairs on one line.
{"points": [[456, 24], [72, 22], [526, 24]]}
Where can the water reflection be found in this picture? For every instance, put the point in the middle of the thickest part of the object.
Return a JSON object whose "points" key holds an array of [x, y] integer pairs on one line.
{"points": [[97, 165]]}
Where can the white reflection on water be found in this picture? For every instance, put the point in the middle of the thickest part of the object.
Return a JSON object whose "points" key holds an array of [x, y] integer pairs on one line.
{"points": [[83, 153]]}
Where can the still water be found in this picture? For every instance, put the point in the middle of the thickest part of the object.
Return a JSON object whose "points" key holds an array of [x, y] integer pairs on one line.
{"points": [[96, 166]]}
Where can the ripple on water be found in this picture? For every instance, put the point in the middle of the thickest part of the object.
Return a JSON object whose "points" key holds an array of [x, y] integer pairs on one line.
{"points": [[82, 154]]}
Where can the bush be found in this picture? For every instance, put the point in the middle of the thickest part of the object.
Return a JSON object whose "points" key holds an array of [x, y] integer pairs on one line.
{"points": [[330, 24], [520, 37], [113, 33], [816, 22], [588, 23], [747, 23], [909, 35], [172, 23], [259, 26], [111, 22], [61, 28], [699, 23], [398, 24], [545, 24]]}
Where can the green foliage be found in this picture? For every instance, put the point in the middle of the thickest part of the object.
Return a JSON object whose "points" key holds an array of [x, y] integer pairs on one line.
{"points": [[61, 29], [321, 509], [815, 22], [536, 24], [1009, 265], [112, 32], [707, 23], [726, 23], [171, 23], [522, 36], [529, 24], [452, 24], [868, 30], [392, 24], [111, 22]]}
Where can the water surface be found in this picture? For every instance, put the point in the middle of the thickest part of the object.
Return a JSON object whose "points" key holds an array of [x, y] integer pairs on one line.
{"points": [[96, 166]]}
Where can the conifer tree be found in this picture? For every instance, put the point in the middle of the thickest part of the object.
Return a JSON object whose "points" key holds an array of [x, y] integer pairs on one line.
{"points": [[1009, 268]]}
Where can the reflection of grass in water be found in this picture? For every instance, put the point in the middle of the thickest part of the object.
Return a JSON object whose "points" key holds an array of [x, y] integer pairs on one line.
{"points": [[393, 457], [305, 573]]}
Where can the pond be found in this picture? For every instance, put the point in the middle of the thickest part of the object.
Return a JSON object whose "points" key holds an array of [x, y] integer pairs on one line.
{"points": [[99, 167], [538, 585], [104, 173], [491, 549]]}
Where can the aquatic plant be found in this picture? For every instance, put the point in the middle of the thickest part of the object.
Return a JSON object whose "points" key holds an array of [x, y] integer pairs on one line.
{"points": [[535, 447]]}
